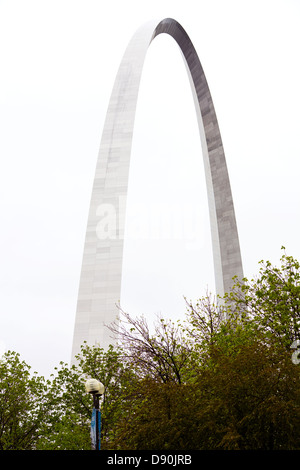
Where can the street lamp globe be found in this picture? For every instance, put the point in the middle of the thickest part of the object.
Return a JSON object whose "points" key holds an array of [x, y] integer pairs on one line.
{"points": [[94, 386]]}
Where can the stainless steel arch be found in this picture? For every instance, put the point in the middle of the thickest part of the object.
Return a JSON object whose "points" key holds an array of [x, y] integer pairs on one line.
{"points": [[100, 282]]}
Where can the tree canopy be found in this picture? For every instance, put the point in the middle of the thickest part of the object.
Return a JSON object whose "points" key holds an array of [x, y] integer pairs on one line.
{"points": [[222, 378]]}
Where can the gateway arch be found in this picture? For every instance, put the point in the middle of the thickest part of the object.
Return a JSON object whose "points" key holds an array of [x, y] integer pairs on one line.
{"points": [[101, 272]]}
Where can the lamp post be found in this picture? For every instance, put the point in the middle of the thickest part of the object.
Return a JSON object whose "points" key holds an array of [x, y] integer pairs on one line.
{"points": [[95, 388]]}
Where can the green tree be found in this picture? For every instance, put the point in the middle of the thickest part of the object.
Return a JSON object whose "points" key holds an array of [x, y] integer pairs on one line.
{"points": [[24, 405], [244, 392], [272, 300], [72, 409], [164, 354], [204, 320], [249, 399], [159, 416], [73, 406], [154, 413]]}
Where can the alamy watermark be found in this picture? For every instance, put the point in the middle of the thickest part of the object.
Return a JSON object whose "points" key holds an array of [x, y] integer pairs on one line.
{"points": [[149, 222], [296, 354]]}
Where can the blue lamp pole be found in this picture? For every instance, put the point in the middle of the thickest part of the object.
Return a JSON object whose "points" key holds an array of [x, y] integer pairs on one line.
{"points": [[95, 388]]}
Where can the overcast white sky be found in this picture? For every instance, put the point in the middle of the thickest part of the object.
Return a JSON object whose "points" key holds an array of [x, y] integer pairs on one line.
{"points": [[58, 61]]}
